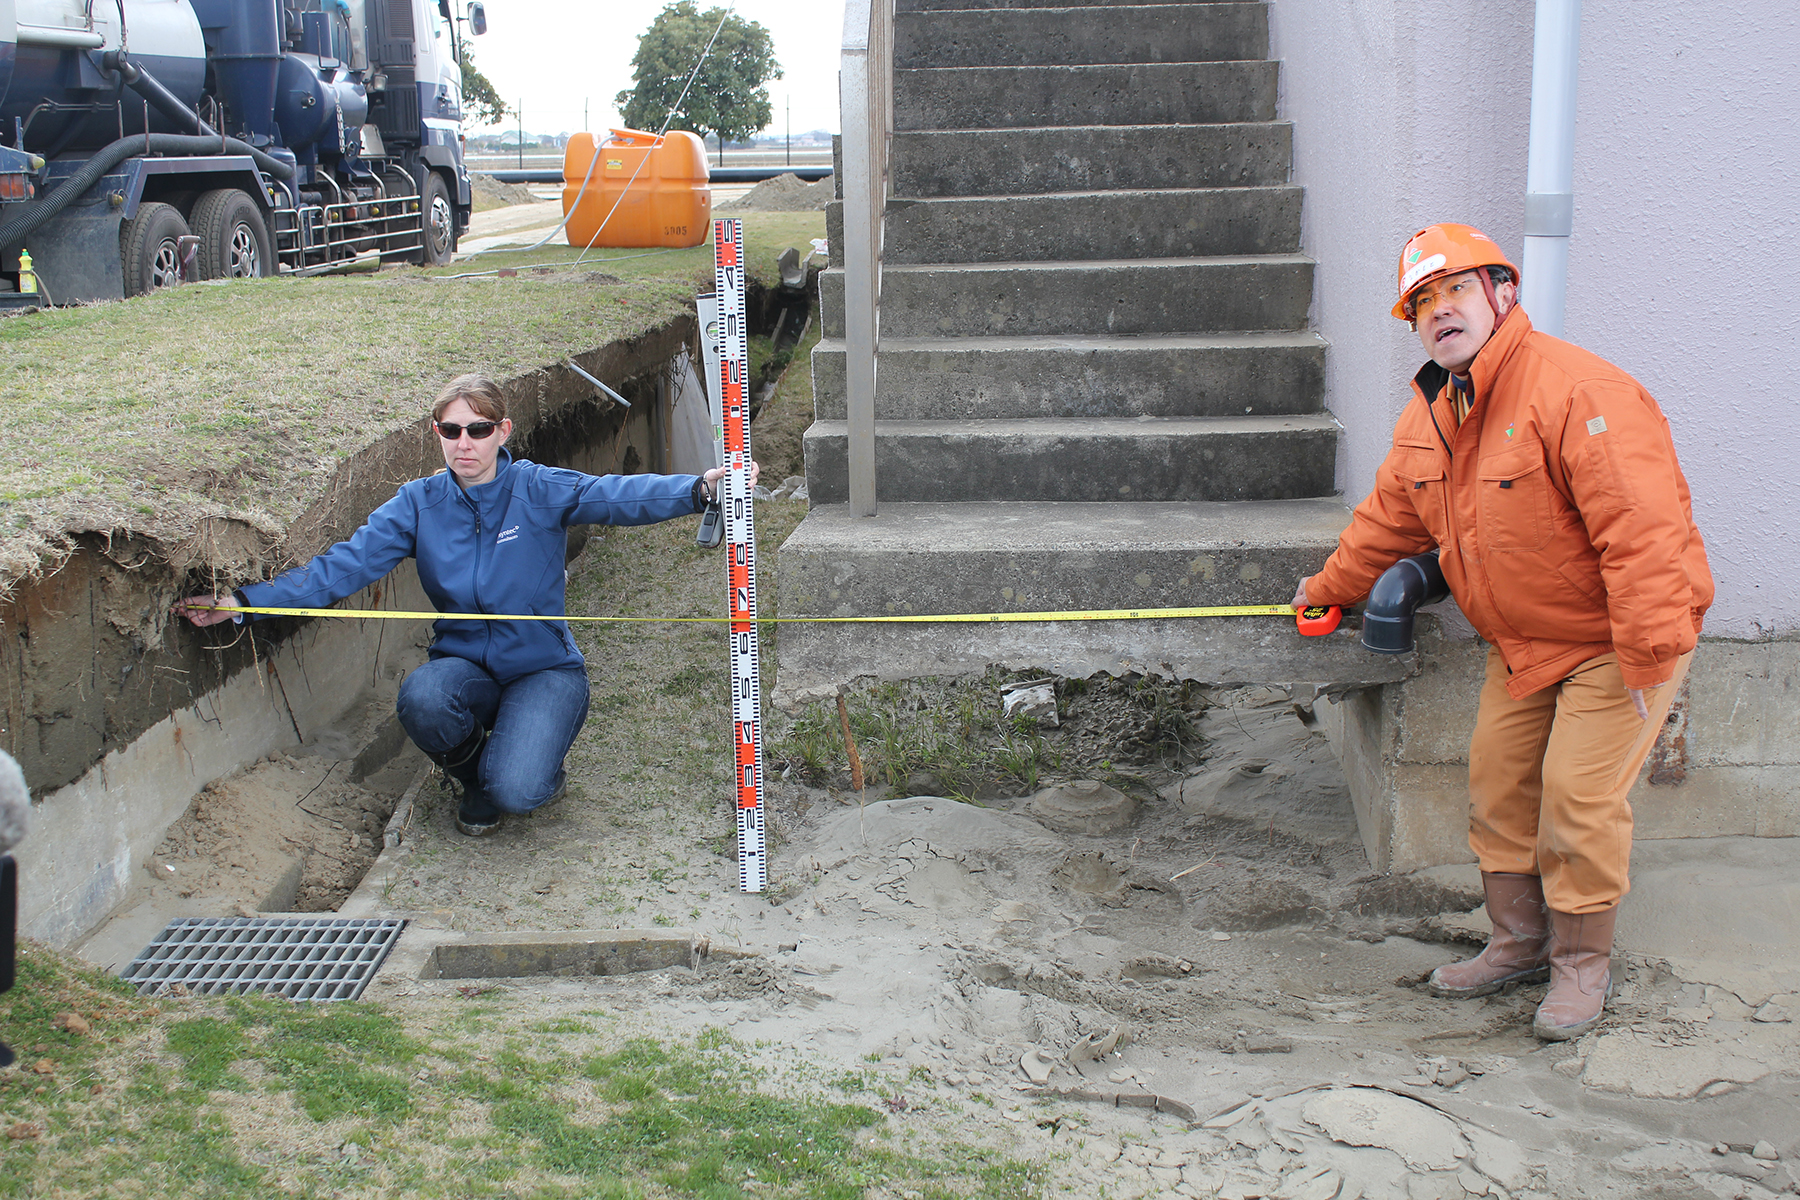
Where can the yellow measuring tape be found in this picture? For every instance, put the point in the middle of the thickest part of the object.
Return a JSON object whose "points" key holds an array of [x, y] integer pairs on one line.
{"points": [[1093, 614]]}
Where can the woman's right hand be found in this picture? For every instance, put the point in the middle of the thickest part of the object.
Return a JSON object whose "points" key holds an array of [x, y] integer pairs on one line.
{"points": [[203, 610]]}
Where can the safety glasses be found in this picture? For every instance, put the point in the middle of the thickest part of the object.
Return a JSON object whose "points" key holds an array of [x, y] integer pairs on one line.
{"points": [[450, 430], [1427, 298]]}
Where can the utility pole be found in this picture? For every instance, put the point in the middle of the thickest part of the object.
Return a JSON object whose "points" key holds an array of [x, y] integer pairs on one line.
{"points": [[521, 133], [787, 104]]}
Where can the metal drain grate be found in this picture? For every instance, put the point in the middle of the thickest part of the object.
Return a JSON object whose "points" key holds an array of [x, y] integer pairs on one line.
{"points": [[302, 958]]}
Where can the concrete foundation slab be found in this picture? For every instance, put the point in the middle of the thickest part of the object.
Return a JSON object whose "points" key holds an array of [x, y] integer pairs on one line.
{"points": [[1725, 765]]}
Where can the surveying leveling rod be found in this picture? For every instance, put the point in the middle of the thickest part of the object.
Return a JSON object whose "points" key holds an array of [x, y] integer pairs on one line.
{"points": [[740, 543]]}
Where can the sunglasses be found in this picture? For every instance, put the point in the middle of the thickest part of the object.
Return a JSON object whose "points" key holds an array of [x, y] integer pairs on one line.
{"points": [[450, 430]]}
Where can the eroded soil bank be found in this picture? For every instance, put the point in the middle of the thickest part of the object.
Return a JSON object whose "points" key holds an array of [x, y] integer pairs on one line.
{"points": [[120, 713], [93, 658]]}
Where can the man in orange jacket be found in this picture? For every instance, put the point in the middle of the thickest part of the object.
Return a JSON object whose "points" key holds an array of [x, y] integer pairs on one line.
{"points": [[1546, 479]]}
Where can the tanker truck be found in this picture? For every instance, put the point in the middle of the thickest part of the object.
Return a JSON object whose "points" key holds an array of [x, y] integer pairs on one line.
{"points": [[148, 142]]}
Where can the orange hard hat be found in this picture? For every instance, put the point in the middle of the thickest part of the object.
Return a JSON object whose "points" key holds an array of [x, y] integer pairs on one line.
{"points": [[1445, 249]]}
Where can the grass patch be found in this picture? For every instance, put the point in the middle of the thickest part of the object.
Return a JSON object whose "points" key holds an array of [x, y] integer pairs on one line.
{"points": [[229, 1098], [337, 1060], [46, 986], [957, 735]]}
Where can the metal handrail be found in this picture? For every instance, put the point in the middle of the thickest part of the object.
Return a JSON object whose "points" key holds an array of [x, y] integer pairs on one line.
{"points": [[321, 234], [866, 111]]}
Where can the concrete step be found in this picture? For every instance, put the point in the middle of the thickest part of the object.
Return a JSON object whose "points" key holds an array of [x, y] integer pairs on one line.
{"points": [[996, 37], [1189, 93], [1053, 555], [1168, 295], [1189, 223], [917, 558], [1177, 375], [1084, 458], [1009, 162]]}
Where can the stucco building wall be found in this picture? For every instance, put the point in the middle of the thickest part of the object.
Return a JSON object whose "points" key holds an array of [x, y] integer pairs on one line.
{"points": [[1687, 166]]}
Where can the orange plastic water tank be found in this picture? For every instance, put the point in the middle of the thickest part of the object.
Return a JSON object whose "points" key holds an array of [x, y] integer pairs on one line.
{"points": [[645, 190]]}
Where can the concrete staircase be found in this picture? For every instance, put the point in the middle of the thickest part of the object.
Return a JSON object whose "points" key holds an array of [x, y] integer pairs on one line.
{"points": [[1096, 385]]}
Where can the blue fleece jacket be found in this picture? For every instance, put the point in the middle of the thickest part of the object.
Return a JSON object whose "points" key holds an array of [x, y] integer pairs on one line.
{"points": [[496, 548]]}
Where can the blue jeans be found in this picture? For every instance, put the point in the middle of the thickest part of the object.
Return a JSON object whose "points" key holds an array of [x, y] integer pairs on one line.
{"points": [[532, 722]]}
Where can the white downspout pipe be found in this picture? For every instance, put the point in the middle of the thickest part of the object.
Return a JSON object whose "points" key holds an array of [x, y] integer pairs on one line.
{"points": [[865, 105], [1550, 164]]}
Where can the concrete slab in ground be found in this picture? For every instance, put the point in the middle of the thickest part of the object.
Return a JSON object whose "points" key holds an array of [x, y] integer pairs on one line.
{"points": [[1717, 900]]}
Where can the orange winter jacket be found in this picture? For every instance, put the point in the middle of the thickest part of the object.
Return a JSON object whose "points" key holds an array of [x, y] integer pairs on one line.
{"points": [[1561, 517]]}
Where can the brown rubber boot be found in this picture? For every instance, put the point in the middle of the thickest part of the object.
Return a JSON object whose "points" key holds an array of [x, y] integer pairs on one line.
{"points": [[1518, 951], [1580, 974]]}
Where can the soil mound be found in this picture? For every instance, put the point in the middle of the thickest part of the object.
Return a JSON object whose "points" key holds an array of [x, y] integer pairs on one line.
{"points": [[487, 188], [784, 193]]}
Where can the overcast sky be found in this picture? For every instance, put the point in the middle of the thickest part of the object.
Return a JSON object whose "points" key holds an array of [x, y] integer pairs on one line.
{"points": [[552, 56]]}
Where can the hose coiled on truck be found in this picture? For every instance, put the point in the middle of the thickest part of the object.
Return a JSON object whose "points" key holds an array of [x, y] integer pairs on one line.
{"points": [[14, 231]]}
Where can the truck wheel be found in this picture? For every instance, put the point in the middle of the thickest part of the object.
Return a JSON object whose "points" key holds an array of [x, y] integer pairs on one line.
{"points": [[234, 238], [437, 218], [150, 244]]}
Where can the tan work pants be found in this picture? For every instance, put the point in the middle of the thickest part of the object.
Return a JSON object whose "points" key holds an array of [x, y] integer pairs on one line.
{"points": [[1548, 776]]}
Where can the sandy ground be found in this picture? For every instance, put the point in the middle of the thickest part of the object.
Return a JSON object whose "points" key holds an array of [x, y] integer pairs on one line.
{"points": [[1058, 996], [1191, 986]]}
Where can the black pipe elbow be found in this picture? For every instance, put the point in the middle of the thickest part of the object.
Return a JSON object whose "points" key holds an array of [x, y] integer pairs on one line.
{"points": [[1388, 617]]}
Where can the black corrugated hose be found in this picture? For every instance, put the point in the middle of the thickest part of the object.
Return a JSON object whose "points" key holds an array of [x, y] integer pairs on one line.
{"points": [[15, 230]]}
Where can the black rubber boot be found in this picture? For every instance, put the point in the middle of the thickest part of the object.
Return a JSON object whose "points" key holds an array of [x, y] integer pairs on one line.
{"points": [[475, 816]]}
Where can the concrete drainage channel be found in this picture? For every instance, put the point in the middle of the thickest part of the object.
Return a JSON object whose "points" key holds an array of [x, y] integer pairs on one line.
{"points": [[192, 947], [305, 779]]}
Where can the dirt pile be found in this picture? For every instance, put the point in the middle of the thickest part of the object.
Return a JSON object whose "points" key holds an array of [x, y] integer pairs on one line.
{"points": [[491, 193], [248, 842], [784, 193]]}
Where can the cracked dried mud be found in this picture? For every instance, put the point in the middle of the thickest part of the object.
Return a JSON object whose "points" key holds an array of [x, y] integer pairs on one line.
{"points": [[1215, 997]]}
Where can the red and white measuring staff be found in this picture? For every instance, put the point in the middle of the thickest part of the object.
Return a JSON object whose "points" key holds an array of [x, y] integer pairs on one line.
{"points": [[740, 550]]}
